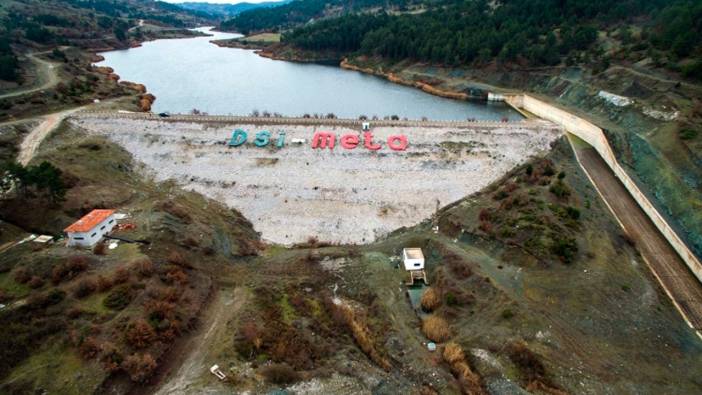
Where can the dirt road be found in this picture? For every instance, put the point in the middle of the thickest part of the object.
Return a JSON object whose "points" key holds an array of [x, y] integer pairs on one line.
{"points": [[47, 73], [674, 276], [31, 142], [193, 359]]}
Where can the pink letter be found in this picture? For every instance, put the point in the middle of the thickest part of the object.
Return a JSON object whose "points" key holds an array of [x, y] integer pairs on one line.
{"points": [[401, 139], [349, 141], [368, 141], [323, 139]]}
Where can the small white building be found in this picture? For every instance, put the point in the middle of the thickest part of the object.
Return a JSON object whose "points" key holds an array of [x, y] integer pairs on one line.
{"points": [[87, 231], [365, 126], [413, 258]]}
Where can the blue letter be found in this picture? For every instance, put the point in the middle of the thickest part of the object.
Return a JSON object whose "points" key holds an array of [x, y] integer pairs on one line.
{"points": [[262, 138], [238, 138], [281, 139]]}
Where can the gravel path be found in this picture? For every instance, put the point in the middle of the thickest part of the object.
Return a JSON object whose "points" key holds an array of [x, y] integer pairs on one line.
{"points": [[345, 196]]}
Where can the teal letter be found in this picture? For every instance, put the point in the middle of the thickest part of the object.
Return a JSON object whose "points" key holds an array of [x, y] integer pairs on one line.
{"points": [[238, 138], [262, 138], [281, 139]]}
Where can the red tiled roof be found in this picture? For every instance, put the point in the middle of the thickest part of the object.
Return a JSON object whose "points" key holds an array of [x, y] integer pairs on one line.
{"points": [[89, 221]]}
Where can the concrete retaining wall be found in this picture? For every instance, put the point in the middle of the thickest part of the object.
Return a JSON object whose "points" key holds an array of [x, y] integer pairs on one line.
{"points": [[594, 136]]}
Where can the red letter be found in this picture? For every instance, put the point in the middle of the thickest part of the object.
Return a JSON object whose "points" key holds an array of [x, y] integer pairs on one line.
{"points": [[323, 139], [401, 139], [368, 141], [349, 141]]}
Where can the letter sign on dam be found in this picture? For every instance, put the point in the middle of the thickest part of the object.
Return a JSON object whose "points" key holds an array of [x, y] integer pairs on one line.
{"points": [[322, 140]]}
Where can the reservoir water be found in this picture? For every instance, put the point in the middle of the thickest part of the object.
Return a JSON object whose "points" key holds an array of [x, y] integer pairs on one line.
{"points": [[192, 73]]}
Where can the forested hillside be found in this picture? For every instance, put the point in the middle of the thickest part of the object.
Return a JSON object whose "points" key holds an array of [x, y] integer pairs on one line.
{"points": [[525, 32], [300, 12], [228, 10]]}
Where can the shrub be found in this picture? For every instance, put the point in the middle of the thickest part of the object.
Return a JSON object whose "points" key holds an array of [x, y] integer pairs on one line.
{"points": [[560, 189], [430, 300], [280, 373], [85, 287], [143, 266], [436, 329], [103, 284], [139, 334], [118, 298], [688, 134], [89, 348], [110, 357], [120, 276], [573, 212], [453, 353], [176, 277], [100, 248], [21, 275], [68, 270], [565, 248], [507, 314], [549, 170], [451, 299], [178, 259], [35, 282], [139, 367]]}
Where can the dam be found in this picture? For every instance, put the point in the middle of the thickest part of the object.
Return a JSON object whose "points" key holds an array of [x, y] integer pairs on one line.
{"points": [[296, 192]]}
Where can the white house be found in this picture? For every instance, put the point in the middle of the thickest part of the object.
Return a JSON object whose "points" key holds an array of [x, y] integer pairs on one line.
{"points": [[413, 258], [89, 230]]}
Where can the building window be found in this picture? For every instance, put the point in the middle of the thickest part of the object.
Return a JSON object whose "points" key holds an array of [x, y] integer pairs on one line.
{"points": [[111, 221], [102, 227], [77, 238], [417, 264], [93, 235]]}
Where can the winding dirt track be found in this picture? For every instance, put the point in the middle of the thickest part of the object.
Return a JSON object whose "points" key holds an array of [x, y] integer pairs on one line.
{"points": [[675, 277], [47, 74]]}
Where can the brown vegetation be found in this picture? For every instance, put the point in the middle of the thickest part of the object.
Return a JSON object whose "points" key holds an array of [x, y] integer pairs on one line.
{"points": [[532, 371], [85, 287], [431, 299], [470, 381], [68, 270], [139, 334], [361, 333], [143, 266], [436, 329], [139, 367]]}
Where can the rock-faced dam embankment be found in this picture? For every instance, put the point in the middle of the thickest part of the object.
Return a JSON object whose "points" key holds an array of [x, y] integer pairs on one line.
{"points": [[338, 195]]}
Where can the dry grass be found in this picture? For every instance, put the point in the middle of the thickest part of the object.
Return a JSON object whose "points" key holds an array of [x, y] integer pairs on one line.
{"points": [[431, 299], [470, 381], [436, 329], [361, 333]]}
